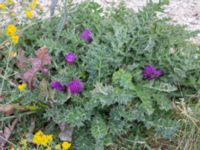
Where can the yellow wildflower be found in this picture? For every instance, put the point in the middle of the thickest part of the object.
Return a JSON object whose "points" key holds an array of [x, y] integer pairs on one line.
{"points": [[58, 147], [49, 138], [23, 142], [15, 39], [33, 4], [66, 145], [41, 139], [48, 148], [12, 148], [12, 14], [21, 87], [38, 137], [10, 2], [29, 14], [12, 54], [11, 30], [2, 6]]}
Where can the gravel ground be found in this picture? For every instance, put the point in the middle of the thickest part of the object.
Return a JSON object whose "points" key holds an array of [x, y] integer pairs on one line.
{"points": [[184, 12]]}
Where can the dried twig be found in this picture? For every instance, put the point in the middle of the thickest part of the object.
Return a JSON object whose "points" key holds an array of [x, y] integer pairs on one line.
{"points": [[5, 135]]}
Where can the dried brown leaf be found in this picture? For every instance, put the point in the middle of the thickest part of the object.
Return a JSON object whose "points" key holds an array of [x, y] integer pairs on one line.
{"points": [[8, 109], [46, 60], [43, 88], [29, 134], [38, 64], [43, 55], [41, 51], [29, 78], [7, 133], [1, 98], [66, 132], [22, 61], [172, 50]]}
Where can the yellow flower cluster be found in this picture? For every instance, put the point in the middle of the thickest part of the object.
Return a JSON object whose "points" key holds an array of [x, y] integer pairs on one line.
{"points": [[21, 87], [11, 32], [64, 145], [28, 12], [10, 2], [58, 147], [23, 142], [12, 14], [48, 148], [33, 4], [15, 39], [42, 139], [2, 6], [12, 54]]}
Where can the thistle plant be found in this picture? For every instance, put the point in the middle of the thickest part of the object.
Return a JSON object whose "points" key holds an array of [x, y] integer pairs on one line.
{"points": [[107, 79]]}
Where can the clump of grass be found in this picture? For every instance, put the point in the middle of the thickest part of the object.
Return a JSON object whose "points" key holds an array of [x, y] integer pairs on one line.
{"points": [[189, 135]]}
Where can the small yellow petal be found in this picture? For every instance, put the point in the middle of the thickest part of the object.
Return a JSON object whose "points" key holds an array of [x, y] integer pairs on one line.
{"points": [[33, 4], [12, 54], [58, 147], [10, 2], [49, 138], [11, 30], [41, 139], [48, 148], [15, 39], [23, 142], [12, 14], [29, 14], [2, 6], [66, 145], [21, 87]]}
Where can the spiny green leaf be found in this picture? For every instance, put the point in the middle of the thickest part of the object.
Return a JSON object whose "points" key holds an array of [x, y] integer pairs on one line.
{"points": [[99, 128], [76, 116], [146, 100], [123, 78]]}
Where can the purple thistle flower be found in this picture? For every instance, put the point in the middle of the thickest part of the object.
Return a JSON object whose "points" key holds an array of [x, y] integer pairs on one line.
{"points": [[70, 57], [75, 87], [151, 73], [57, 86], [86, 35]]}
